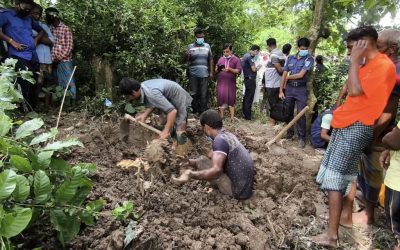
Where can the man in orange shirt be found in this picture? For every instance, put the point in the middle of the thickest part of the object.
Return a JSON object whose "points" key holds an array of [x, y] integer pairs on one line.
{"points": [[371, 79]]}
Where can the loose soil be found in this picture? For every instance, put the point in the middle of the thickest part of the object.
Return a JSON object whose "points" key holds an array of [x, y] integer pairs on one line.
{"points": [[287, 206]]}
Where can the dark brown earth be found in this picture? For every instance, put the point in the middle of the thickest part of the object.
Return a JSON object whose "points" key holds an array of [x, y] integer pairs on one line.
{"points": [[286, 208]]}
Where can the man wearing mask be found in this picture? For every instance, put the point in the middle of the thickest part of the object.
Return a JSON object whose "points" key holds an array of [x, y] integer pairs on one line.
{"points": [[16, 29], [295, 75], [250, 75], [61, 52], [201, 68]]}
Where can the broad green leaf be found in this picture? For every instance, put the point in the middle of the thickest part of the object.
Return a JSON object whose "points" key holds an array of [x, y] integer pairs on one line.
{"points": [[7, 106], [8, 182], [21, 191], [129, 108], [58, 145], [67, 190], [41, 187], [60, 167], [14, 223], [44, 137], [80, 195], [27, 128], [21, 163], [67, 226], [44, 158], [91, 210], [5, 124]]}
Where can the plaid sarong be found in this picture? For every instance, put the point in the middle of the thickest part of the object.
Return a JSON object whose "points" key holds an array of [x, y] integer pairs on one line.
{"points": [[339, 166], [64, 71]]}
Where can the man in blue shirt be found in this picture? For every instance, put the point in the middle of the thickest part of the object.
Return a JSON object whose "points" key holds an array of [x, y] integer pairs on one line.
{"points": [[201, 68], [320, 130], [295, 75], [250, 74], [17, 28], [43, 51]]}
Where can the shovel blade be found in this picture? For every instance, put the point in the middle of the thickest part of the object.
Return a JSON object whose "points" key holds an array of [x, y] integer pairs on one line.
{"points": [[124, 130]]}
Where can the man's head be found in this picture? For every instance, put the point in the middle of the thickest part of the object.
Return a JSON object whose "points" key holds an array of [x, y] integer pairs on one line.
{"points": [[52, 15], [254, 50], [130, 87], [24, 7], [367, 33], [271, 44], [302, 45], [286, 49], [227, 50], [211, 121], [36, 12], [199, 36], [319, 59], [389, 43]]}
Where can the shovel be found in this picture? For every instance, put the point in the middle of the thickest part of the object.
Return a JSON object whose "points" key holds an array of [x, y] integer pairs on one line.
{"points": [[124, 127]]}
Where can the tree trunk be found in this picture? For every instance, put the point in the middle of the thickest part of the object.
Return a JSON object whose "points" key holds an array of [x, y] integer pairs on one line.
{"points": [[105, 78], [314, 35]]}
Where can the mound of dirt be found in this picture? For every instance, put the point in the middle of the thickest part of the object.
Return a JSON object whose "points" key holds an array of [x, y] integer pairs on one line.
{"points": [[285, 207]]}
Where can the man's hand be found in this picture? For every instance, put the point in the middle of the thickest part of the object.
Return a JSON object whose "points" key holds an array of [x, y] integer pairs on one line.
{"points": [[358, 51], [211, 75], [282, 95], [164, 135], [384, 159], [185, 177], [18, 46], [141, 117]]}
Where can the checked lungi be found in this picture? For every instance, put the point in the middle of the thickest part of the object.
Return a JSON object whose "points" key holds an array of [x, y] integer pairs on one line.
{"points": [[339, 166]]}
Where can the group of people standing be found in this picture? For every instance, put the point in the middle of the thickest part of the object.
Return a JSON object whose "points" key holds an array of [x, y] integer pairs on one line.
{"points": [[38, 47]]}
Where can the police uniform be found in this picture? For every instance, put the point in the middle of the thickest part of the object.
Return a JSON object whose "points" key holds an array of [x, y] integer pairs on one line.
{"points": [[296, 90]]}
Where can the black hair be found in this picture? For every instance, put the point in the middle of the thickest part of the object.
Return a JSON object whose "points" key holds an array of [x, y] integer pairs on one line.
{"points": [[286, 48], [197, 31], [271, 42], [319, 59], [362, 31], [255, 47], [25, 1], [211, 118], [227, 46], [127, 85], [303, 42], [38, 7], [52, 9]]}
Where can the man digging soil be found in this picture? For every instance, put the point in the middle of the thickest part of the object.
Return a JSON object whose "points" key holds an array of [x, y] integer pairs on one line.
{"points": [[231, 168], [166, 96]]}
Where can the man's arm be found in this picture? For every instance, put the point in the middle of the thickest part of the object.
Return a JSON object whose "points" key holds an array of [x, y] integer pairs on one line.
{"points": [[211, 66], [142, 116], [282, 84], [218, 161], [171, 117], [298, 75], [9, 40], [278, 68], [324, 135], [384, 120], [392, 139], [353, 82]]}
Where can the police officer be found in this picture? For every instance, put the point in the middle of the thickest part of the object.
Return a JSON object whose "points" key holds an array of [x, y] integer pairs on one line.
{"points": [[293, 85]]}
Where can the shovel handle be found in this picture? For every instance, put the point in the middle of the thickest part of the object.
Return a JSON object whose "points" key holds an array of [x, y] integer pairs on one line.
{"points": [[129, 117]]}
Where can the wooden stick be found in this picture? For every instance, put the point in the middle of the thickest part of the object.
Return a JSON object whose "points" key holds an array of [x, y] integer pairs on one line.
{"points": [[128, 117], [287, 127], [65, 93]]}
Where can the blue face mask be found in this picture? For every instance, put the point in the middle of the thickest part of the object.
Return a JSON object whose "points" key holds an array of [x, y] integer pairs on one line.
{"points": [[303, 52], [200, 41], [209, 138]]}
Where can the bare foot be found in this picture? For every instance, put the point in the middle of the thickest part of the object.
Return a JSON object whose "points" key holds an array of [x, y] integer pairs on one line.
{"points": [[362, 218], [325, 240]]}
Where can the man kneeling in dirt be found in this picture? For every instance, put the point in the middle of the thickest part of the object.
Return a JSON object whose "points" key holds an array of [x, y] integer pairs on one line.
{"points": [[164, 95], [231, 166]]}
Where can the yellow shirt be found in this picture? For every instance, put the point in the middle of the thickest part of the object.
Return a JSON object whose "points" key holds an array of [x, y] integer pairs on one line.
{"points": [[392, 178]]}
